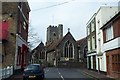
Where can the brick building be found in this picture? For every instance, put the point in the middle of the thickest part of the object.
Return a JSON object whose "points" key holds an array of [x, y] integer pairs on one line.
{"points": [[14, 34], [111, 45]]}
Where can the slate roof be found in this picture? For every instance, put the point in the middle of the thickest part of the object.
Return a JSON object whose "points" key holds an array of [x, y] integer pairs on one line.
{"points": [[51, 46], [79, 42]]}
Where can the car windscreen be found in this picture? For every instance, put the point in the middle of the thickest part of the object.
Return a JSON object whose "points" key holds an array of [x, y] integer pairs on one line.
{"points": [[33, 67]]}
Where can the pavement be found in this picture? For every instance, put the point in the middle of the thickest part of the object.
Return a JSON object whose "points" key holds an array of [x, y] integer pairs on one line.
{"points": [[96, 75], [93, 74]]}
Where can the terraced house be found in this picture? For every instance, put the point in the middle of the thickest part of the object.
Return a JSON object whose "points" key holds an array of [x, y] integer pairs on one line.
{"points": [[111, 45], [14, 34], [96, 58]]}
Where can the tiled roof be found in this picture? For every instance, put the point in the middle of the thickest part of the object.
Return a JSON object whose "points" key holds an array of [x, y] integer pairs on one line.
{"points": [[80, 41], [54, 44], [51, 46]]}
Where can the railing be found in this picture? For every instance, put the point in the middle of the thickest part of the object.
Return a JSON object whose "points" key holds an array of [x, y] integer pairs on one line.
{"points": [[6, 72]]}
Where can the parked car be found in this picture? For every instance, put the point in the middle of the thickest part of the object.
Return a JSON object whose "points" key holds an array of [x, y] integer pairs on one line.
{"points": [[33, 71]]}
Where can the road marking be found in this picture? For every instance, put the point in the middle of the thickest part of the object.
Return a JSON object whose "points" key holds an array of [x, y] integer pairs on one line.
{"points": [[60, 74], [47, 71]]}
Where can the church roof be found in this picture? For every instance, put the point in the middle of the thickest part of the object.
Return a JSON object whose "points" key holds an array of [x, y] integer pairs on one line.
{"points": [[51, 46], [79, 42]]}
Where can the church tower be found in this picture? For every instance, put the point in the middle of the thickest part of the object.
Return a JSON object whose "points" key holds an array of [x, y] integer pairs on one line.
{"points": [[54, 32]]}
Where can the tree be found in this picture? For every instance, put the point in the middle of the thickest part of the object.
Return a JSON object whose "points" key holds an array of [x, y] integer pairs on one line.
{"points": [[33, 38]]}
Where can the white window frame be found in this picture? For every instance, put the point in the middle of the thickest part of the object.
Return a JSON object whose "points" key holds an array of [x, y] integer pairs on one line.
{"points": [[109, 32], [92, 25], [88, 29], [93, 42], [88, 44]]}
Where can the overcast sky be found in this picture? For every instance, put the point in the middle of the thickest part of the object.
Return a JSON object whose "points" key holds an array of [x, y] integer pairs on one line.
{"points": [[73, 14]]}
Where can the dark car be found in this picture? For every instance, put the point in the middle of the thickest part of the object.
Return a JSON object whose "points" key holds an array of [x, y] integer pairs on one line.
{"points": [[33, 71]]}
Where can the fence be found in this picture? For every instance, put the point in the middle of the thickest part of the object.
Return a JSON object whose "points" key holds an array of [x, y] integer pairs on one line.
{"points": [[6, 72]]}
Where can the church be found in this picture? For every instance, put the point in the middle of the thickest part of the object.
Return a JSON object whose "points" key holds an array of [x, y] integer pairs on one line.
{"points": [[61, 51]]}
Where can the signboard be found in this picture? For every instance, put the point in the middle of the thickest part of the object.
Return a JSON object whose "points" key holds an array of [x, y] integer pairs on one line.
{"points": [[3, 30]]}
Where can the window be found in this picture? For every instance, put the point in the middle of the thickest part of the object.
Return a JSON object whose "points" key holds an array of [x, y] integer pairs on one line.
{"points": [[20, 28], [93, 25], [93, 42], [68, 50], [24, 25], [109, 33], [99, 45], [89, 44], [88, 29]]}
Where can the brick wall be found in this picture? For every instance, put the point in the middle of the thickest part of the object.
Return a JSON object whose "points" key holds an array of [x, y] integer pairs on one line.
{"points": [[113, 65], [9, 13], [116, 27]]}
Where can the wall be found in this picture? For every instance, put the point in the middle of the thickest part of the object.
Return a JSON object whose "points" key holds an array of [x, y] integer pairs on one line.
{"points": [[111, 44], [113, 69], [102, 16], [10, 45], [71, 39]]}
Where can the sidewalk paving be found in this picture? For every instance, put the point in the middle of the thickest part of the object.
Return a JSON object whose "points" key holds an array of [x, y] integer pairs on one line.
{"points": [[96, 75], [16, 76]]}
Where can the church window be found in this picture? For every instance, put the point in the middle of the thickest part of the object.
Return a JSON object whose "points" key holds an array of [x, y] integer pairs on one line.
{"points": [[68, 50]]}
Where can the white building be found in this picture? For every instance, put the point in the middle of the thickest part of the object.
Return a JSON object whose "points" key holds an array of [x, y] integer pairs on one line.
{"points": [[96, 57], [103, 15]]}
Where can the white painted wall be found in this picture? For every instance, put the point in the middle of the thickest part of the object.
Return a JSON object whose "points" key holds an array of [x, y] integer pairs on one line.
{"points": [[19, 42], [103, 15], [91, 62], [104, 62], [115, 43]]}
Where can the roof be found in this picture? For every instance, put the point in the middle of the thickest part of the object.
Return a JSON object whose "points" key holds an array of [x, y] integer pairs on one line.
{"points": [[79, 42], [51, 46]]}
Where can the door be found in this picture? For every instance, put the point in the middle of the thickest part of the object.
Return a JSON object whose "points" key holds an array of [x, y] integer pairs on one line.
{"points": [[94, 62], [98, 64], [89, 59], [108, 66]]}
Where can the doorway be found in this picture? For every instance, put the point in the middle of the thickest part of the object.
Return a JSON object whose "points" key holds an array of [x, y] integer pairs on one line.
{"points": [[108, 64], [94, 62]]}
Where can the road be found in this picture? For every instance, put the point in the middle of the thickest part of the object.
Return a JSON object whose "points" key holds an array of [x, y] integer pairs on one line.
{"points": [[60, 74], [65, 74]]}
